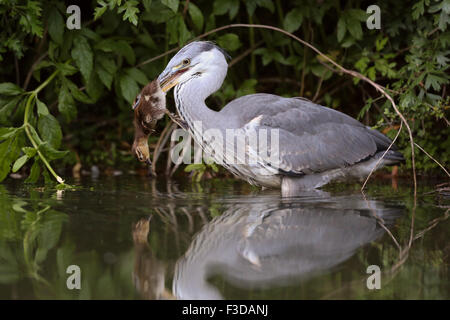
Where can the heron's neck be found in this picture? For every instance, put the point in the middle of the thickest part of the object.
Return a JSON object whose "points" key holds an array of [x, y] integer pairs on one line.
{"points": [[190, 99]]}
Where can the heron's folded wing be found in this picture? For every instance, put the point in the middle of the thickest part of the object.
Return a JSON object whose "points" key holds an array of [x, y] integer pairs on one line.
{"points": [[313, 138]]}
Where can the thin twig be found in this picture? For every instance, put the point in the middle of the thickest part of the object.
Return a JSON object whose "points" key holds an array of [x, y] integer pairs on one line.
{"points": [[185, 9], [379, 160], [162, 55], [380, 221], [431, 225], [169, 160], [161, 143], [440, 165], [244, 54], [319, 86], [33, 66]]}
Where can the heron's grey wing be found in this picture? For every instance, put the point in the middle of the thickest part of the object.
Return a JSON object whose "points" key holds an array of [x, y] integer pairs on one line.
{"points": [[312, 138]]}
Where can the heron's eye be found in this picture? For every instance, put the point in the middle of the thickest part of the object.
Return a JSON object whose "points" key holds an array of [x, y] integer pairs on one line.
{"points": [[136, 102], [186, 62]]}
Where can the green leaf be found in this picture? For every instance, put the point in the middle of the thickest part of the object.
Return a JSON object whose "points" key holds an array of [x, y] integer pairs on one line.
{"points": [[434, 81], [51, 153], [50, 130], [147, 4], [371, 73], [105, 77], [220, 7], [137, 75], [7, 109], [129, 88], [195, 167], [253, 4], [293, 20], [341, 28], [66, 69], [442, 60], [214, 167], [99, 11], [348, 42], [35, 172], [444, 19], [247, 87], [83, 56], [354, 27], [362, 64], [76, 92], [41, 108], [380, 43], [109, 65], [229, 41], [94, 87], [4, 161], [29, 151], [233, 8], [56, 25], [320, 71], [10, 89], [106, 68], [131, 11], [266, 55], [268, 4], [159, 13], [6, 133], [30, 20], [183, 33], [66, 104], [19, 163], [35, 135], [418, 9], [196, 15], [121, 47], [357, 14], [172, 4], [9, 151]]}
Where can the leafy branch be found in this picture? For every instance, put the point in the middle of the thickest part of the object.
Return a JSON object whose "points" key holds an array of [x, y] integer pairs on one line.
{"points": [[29, 128], [41, 150]]}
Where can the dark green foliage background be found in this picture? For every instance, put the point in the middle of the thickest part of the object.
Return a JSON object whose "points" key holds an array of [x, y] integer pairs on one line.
{"points": [[86, 107]]}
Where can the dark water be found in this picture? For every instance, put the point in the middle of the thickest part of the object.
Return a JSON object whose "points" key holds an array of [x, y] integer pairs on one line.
{"points": [[135, 238]]}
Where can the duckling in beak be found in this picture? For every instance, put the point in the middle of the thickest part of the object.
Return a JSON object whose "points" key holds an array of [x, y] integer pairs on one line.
{"points": [[149, 107]]}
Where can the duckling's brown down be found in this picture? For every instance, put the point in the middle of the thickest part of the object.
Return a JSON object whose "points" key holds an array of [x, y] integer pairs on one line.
{"points": [[149, 107]]}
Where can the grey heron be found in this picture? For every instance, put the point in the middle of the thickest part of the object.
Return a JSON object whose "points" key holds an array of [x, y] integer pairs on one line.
{"points": [[316, 144]]}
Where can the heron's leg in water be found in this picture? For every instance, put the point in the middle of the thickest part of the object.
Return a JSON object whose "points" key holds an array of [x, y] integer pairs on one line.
{"points": [[293, 186], [177, 119]]}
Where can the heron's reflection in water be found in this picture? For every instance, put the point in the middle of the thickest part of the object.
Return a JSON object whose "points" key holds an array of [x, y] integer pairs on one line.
{"points": [[272, 242]]}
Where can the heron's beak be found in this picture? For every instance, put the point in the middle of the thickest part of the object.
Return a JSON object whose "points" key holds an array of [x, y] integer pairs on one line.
{"points": [[170, 79]]}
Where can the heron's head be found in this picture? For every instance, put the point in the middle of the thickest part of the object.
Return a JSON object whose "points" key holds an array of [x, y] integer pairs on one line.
{"points": [[199, 59]]}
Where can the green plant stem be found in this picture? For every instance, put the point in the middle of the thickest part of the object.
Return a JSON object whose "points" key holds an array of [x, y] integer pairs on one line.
{"points": [[26, 124]]}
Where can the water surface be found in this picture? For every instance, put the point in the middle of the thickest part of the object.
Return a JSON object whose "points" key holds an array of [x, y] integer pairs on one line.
{"points": [[138, 238]]}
